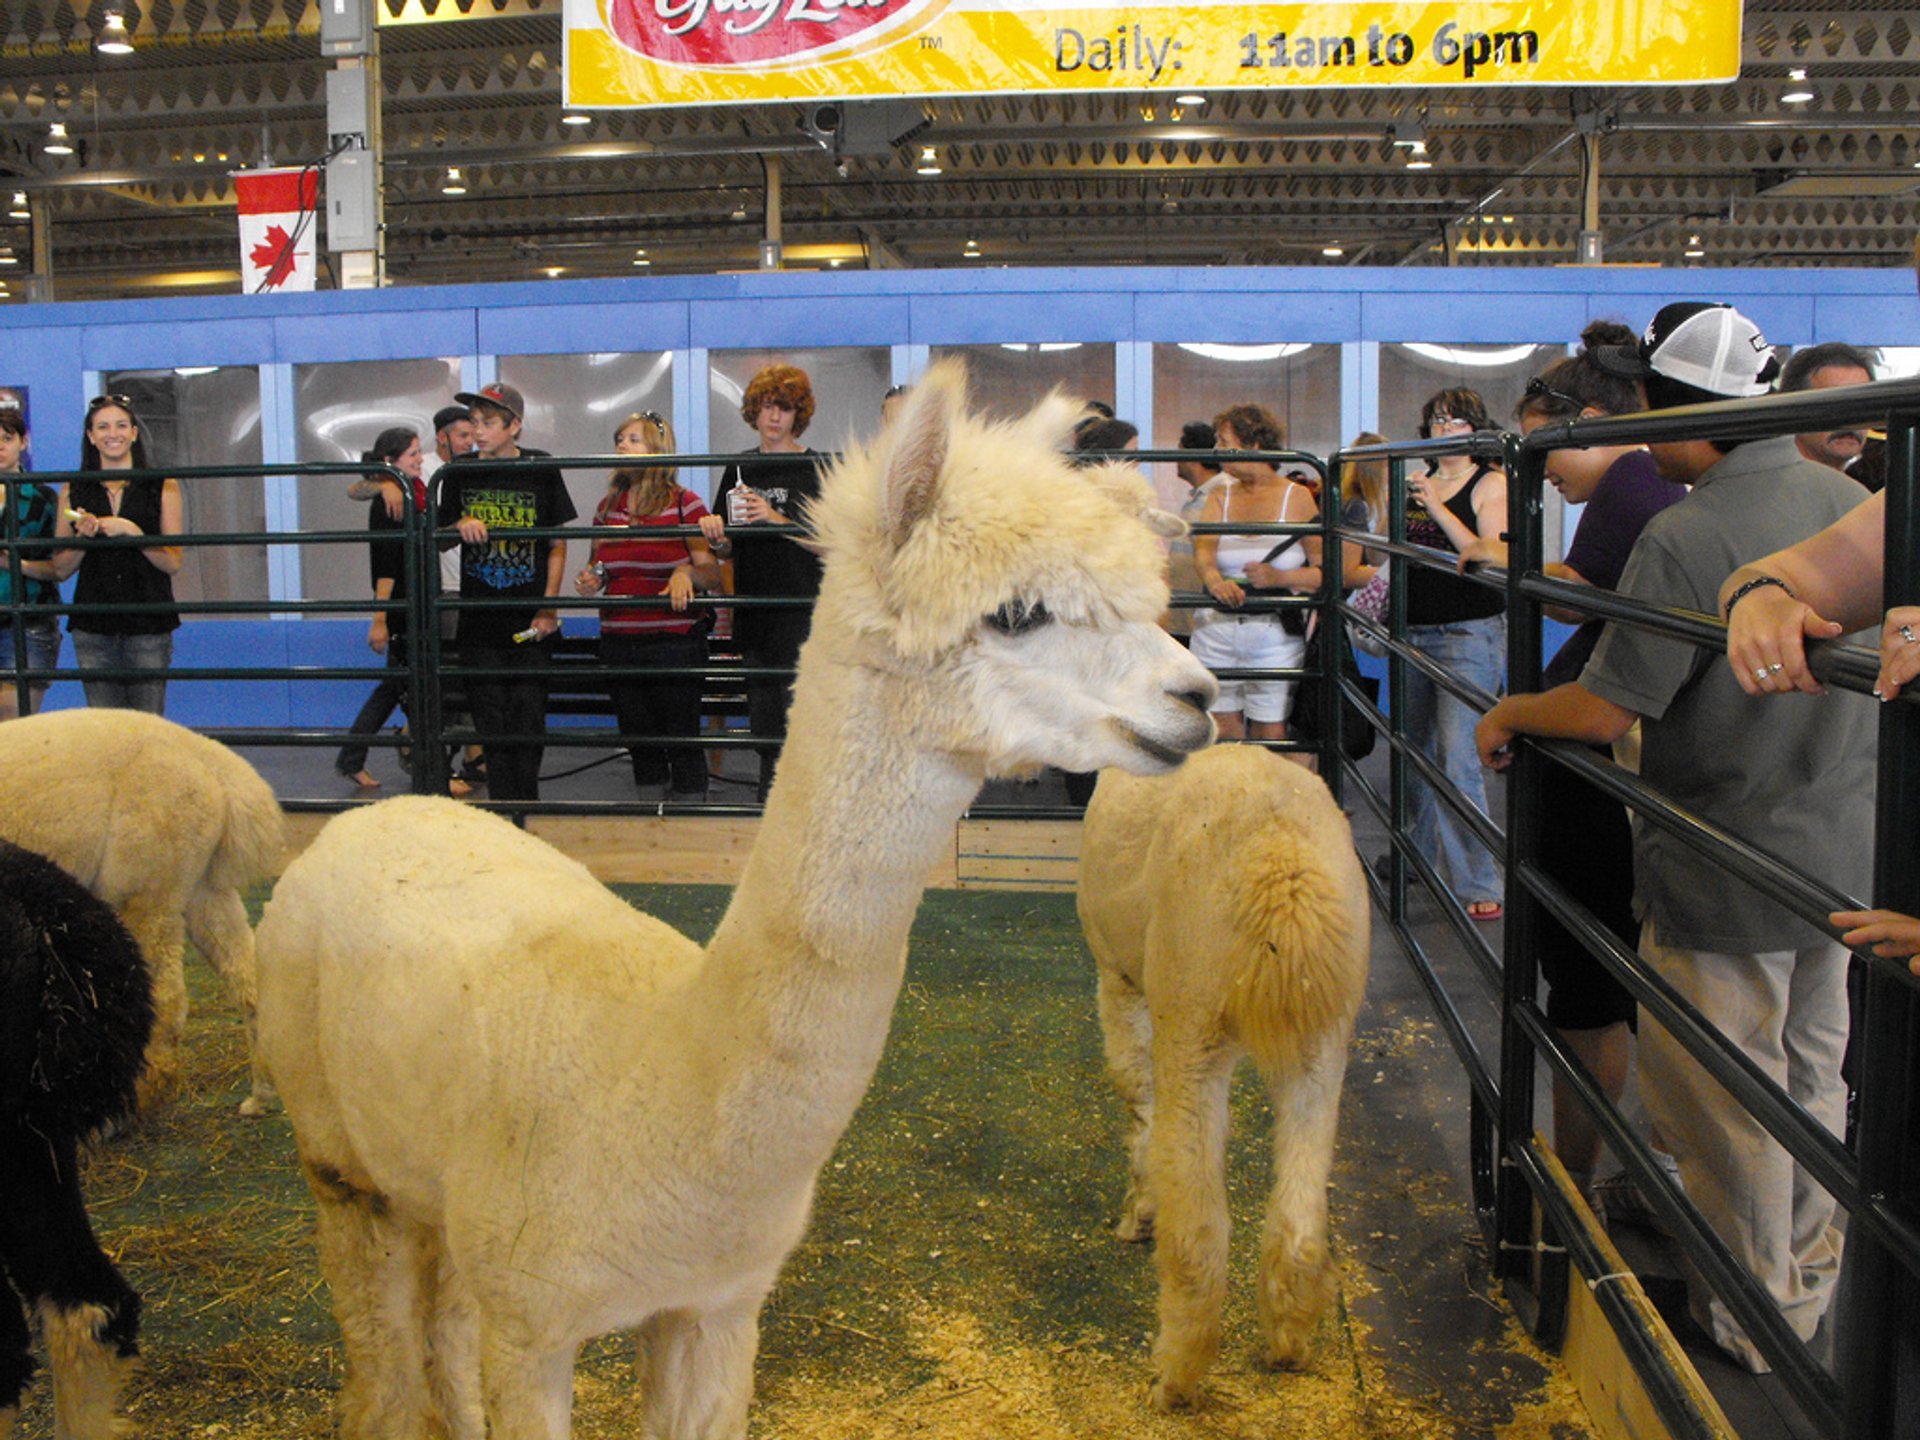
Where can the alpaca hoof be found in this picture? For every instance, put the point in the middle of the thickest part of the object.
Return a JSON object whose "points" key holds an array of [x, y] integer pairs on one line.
{"points": [[1289, 1352], [1169, 1397], [1134, 1229], [254, 1106]]}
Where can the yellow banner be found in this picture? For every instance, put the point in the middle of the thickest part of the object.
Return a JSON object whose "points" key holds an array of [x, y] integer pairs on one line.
{"points": [[631, 53]]}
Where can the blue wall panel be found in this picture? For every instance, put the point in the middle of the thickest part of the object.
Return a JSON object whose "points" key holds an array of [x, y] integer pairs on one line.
{"points": [[1031, 316], [401, 335], [619, 325], [1258, 318], [160, 345], [1451, 314], [775, 322]]}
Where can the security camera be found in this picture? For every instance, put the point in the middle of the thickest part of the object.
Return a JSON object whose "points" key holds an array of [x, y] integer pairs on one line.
{"points": [[822, 122]]}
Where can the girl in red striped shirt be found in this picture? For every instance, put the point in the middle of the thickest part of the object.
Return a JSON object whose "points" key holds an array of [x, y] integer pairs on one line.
{"points": [[645, 500]]}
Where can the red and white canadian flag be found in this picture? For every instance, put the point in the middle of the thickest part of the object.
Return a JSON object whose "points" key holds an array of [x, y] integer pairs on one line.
{"points": [[277, 239]]}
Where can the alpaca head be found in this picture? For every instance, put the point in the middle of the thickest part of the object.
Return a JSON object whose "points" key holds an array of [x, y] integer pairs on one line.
{"points": [[1016, 597]]}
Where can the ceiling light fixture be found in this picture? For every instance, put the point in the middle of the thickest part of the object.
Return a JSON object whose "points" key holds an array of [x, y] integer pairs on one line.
{"points": [[1332, 252], [929, 161], [21, 212], [739, 212], [1417, 157], [972, 252], [576, 117], [7, 257], [1798, 92], [57, 142], [554, 272], [1190, 99], [453, 184], [114, 39], [1695, 250]]}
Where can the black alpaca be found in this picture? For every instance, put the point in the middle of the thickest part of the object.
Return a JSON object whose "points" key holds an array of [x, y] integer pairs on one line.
{"points": [[76, 1009]]}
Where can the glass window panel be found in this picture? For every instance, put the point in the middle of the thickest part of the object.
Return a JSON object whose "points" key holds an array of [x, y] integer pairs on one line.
{"points": [[338, 409], [1297, 382], [575, 402], [848, 385], [1010, 379], [207, 417], [1410, 373]]}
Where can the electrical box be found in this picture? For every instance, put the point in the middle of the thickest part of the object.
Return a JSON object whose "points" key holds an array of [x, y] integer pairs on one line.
{"points": [[346, 28], [350, 201], [348, 109]]}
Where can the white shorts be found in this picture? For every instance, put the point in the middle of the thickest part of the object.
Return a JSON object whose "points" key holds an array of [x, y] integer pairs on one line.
{"points": [[1227, 642]]}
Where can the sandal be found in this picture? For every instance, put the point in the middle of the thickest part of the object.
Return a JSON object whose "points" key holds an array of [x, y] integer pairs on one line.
{"points": [[360, 779], [1485, 911]]}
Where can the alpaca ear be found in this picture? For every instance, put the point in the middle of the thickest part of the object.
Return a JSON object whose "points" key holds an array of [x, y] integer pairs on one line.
{"points": [[1164, 523], [922, 437]]}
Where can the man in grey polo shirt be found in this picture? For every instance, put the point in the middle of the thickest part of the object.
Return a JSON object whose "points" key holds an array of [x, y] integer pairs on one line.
{"points": [[1793, 776]]}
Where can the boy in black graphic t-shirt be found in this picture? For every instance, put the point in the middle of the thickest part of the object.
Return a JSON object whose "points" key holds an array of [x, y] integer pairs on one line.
{"points": [[487, 503]]}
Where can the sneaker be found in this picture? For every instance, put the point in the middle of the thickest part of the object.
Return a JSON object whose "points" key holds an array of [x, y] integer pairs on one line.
{"points": [[1618, 1201]]}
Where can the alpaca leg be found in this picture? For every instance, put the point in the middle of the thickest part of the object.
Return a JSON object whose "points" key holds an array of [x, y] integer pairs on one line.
{"points": [[372, 1264], [1187, 1160], [217, 924], [529, 1394], [162, 936], [88, 1313], [89, 1369], [696, 1373], [1297, 1275], [16, 1356], [1128, 1029], [453, 1351]]}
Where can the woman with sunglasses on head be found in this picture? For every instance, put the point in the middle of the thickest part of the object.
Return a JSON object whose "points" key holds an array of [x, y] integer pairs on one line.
{"points": [[642, 500], [35, 505], [116, 506], [1587, 845], [1461, 498], [398, 446]]}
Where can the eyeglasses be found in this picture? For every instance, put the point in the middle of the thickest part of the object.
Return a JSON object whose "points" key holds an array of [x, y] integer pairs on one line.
{"points": [[1538, 389], [1441, 420]]}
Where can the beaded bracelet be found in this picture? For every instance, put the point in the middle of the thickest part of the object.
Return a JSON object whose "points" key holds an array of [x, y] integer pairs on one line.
{"points": [[1758, 582]]}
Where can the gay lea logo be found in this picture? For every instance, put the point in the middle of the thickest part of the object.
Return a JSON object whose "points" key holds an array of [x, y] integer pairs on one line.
{"points": [[738, 34]]}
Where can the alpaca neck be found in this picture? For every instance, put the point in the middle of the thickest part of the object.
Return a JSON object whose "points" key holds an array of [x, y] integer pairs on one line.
{"points": [[802, 974]]}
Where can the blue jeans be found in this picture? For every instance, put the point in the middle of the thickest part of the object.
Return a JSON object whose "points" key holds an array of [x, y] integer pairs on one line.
{"points": [[42, 653], [95, 651], [1442, 727]]}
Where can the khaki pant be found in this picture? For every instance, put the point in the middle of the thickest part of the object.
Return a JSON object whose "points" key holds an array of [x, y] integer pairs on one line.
{"points": [[1787, 1009]]}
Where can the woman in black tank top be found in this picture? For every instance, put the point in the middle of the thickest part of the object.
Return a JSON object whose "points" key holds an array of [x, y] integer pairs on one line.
{"points": [[1458, 624], [107, 505]]}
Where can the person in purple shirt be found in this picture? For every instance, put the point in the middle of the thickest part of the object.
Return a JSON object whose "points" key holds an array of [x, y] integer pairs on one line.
{"points": [[1588, 848]]}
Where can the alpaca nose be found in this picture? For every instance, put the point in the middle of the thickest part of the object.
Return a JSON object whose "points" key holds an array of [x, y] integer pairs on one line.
{"points": [[1199, 700]]}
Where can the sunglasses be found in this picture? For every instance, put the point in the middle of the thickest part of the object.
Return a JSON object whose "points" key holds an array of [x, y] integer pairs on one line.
{"points": [[99, 401], [1538, 389]]}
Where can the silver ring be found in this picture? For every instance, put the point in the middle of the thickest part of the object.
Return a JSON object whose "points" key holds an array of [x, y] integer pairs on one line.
{"points": [[1775, 668], [1761, 673], [1906, 634]]}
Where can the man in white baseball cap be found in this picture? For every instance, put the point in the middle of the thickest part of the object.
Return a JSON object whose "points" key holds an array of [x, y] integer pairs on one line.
{"points": [[1796, 780]]}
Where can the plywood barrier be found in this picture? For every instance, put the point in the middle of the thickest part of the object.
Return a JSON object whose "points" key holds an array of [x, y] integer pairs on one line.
{"points": [[1617, 1402], [696, 850]]}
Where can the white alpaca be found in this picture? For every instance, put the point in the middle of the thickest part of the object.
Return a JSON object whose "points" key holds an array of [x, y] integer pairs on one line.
{"points": [[167, 827], [1228, 914], [530, 1115]]}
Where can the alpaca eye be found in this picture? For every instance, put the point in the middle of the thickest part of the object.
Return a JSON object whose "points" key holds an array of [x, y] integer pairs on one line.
{"points": [[1017, 617]]}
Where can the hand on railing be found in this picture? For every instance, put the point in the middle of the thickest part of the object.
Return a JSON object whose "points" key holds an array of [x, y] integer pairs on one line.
{"points": [[1899, 650], [1887, 932], [1767, 631]]}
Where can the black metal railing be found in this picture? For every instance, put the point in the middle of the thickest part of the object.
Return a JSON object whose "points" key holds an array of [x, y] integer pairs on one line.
{"points": [[1877, 1180]]}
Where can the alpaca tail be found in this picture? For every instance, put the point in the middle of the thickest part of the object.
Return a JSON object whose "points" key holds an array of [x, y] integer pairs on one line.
{"points": [[1301, 933], [253, 842]]}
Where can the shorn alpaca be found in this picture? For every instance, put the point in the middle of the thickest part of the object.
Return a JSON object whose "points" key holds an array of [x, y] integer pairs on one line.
{"points": [[75, 1014], [167, 827], [530, 1115], [1228, 913]]}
